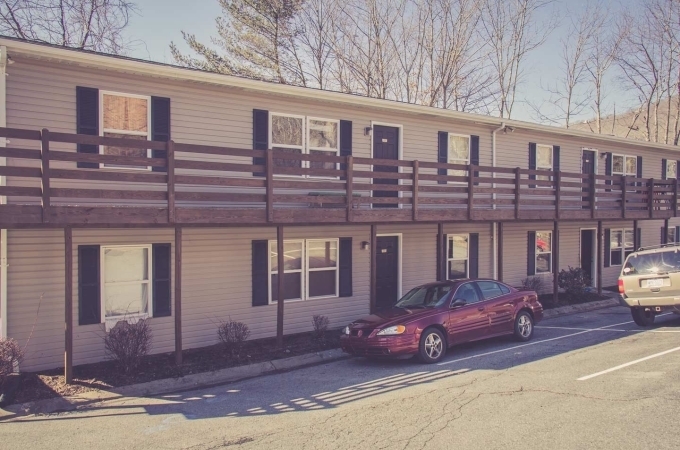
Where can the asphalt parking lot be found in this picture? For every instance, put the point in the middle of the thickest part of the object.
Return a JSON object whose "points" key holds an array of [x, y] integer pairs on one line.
{"points": [[591, 380]]}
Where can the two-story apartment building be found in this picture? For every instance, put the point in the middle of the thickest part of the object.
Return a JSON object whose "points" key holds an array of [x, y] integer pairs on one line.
{"points": [[132, 189]]}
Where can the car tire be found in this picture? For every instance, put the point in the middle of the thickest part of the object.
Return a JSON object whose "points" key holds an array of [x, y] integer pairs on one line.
{"points": [[432, 346], [643, 317], [524, 326]]}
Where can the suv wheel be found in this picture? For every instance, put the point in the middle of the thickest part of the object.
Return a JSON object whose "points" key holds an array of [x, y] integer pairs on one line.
{"points": [[644, 317]]}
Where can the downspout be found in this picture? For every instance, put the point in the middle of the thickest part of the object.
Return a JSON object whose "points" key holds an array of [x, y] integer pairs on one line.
{"points": [[3, 199], [494, 229]]}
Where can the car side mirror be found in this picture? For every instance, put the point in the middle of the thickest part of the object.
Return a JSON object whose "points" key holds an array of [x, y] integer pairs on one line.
{"points": [[458, 302]]}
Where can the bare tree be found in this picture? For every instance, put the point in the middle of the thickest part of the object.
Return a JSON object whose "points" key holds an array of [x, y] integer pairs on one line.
{"points": [[86, 24], [512, 30]]}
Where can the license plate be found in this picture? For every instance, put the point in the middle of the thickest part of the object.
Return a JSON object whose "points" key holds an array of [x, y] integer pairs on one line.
{"points": [[655, 283]]}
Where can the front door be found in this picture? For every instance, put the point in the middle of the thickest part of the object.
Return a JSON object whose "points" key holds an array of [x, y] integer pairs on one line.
{"points": [[387, 272], [588, 254], [471, 321], [587, 168], [385, 146]]}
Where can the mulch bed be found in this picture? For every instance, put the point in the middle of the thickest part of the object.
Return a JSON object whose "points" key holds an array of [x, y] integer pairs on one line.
{"points": [[548, 302], [105, 375]]}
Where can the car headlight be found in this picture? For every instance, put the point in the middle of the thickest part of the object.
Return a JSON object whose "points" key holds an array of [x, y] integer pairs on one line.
{"points": [[396, 329], [346, 330]]}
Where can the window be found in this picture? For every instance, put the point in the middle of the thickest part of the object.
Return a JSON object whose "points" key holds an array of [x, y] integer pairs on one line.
{"points": [[425, 296], [458, 256], [544, 160], [543, 252], [489, 289], [620, 245], [624, 165], [459, 152], [671, 169], [288, 133], [467, 292], [126, 286], [125, 116], [310, 269]]}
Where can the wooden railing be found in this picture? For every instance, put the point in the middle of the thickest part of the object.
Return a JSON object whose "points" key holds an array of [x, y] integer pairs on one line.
{"points": [[199, 184]]}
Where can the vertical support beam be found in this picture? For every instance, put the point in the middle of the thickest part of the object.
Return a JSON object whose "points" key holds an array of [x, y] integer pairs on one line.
{"points": [[592, 190], [441, 257], [624, 195], [558, 185], [471, 190], [45, 171], [650, 197], [556, 259], [349, 191], [517, 191], [374, 253], [68, 305], [170, 168], [636, 242], [665, 231], [499, 256], [675, 197], [269, 185], [414, 192], [600, 256], [178, 296], [280, 287]]}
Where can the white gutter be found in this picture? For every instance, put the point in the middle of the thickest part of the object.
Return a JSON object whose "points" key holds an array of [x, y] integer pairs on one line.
{"points": [[494, 229], [3, 199]]}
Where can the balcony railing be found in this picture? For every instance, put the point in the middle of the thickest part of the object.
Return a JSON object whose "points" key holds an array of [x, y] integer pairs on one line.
{"points": [[199, 184]]}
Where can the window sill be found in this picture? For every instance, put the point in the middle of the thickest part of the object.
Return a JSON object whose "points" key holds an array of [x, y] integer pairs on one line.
{"points": [[132, 319]]}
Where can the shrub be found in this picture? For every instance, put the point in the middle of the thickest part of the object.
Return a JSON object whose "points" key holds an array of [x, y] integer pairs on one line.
{"points": [[532, 284], [574, 282], [320, 324], [232, 335], [127, 343], [10, 356]]}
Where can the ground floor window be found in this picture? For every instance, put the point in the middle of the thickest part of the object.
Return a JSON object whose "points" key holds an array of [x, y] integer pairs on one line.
{"points": [[125, 282], [621, 245], [458, 256], [310, 269], [543, 252]]}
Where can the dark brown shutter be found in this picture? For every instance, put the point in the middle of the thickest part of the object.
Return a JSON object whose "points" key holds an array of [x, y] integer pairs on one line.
{"points": [[89, 289], [663, 238], [160, 126], [442, 269], [473, 249], [677, 235], [345, 267], [87, 121], [531, 253], [608, 168], [260, 270], [443, 153], [162, 257], [607, 247], [474, 154], [638, 235], [677, 169], [664, 166], [532, 161], [556, 158], [639, 166], [345, 142], [260, 136]]}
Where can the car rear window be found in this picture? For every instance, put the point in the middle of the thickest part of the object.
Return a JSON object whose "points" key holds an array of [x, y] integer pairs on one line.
{"points": [[652, 263]]}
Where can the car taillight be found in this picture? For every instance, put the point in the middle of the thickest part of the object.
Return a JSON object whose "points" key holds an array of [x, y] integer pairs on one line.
{"points": [[621, 289]]}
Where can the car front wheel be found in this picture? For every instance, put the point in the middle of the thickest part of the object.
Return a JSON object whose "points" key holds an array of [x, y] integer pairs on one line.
{"points": [[643, 317], [432, 346], [524, 326]]}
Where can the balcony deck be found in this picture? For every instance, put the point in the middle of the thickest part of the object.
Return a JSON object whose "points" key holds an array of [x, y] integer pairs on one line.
{"points": [[198, 185]]}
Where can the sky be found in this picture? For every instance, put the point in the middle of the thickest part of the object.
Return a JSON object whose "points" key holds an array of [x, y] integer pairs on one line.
{"points": [[160, 22]]}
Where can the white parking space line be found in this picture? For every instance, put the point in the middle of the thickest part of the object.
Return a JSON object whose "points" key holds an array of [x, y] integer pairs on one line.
{"points": [[655, 355], [609, 329], [530, 343]]}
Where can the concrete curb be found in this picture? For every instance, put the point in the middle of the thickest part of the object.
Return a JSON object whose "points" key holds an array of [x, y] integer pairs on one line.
{"points": [[583, 307], [167, 385]]}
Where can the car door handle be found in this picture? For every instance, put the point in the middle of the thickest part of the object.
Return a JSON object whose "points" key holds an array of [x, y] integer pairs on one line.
{"points": [[481, 308]]}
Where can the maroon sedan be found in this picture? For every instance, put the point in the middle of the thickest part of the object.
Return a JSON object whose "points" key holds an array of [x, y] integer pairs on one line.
{"points": [[432, 317]]}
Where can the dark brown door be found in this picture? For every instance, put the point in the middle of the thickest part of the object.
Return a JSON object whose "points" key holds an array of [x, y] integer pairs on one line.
{"points": [[587, 253], [385, 146], [587, 168], [471, 321], [387, 271]]}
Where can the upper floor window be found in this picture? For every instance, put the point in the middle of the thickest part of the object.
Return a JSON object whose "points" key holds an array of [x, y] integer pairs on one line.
{"points": [[544, 160], [671, 169], [624, 165], [304, 135], [459, 152], [125, 116]]}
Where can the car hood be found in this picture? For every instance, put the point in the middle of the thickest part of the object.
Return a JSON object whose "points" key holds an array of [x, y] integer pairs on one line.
{"points": [[392, 316]]}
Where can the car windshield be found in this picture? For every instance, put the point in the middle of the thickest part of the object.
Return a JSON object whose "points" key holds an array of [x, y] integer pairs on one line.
{"points": [[424, 297], [652, 263]]}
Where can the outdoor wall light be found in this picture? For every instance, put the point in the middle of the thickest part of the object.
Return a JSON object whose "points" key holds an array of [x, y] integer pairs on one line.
{"points": [[367, 131], [604, 154], [364, 245]]}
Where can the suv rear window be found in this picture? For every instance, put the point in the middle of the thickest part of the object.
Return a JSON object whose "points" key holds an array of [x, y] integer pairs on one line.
{"points": [[652, 263]]}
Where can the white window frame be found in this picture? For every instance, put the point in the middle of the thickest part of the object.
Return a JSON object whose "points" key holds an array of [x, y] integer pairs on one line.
{"points": [[536, 253], [625, 166], [675, 175], [308, 148], [103, 130], [623, 249], [304, 270], [449, 239], [450, 160], [112, 320], [551, 167]]}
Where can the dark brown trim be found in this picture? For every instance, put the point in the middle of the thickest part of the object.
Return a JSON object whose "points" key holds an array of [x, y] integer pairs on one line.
{"points": [[600, 262], [45, 173], [170, 155], [414, 192], [349, 184], [556, 260], [499, 230], [373, 240], [178, 295], [280, 288], [68, 305]]}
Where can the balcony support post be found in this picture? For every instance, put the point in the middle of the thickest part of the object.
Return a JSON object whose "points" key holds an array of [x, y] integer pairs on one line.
{"points": [[170, 167], [269, 185], [636, 237], [280, 287], [665, 231], [675, 197], [592, 189], [45, 173], [68, 305], [349, 190], [600, 255], [624, 199], [178, 296], [557, 183], [556, 260], [517, 191], [373, 241], [650, 197], [499, 229], [414, 192], [471, 191]]}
